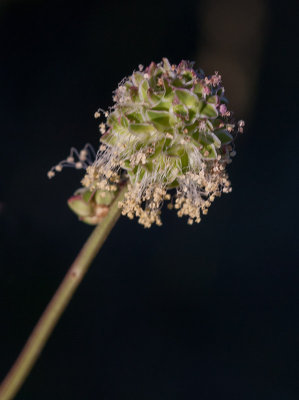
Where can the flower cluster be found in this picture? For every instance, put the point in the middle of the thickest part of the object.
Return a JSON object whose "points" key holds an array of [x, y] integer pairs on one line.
{"points": [[170, 134]]}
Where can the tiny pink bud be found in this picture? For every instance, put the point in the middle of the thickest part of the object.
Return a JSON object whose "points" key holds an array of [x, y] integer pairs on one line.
{"points": [[223, 109]]}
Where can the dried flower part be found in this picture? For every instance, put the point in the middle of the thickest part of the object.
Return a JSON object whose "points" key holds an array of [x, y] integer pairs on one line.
{"points": [[91, 207]]}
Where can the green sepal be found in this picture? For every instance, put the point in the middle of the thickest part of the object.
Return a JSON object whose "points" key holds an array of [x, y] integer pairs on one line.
{"points": [[124, 122], [143, 90], [152, 68], [177, 83], [109, 138], [181, 110], [134, 117], [112, 119], [167, 144], [205, 138], [184, 161], [89, 220], [166, 64], [209, 110], [157, 149], [215, 139], [163, 105], [169, 94], [137, 78], [134, 94], [212, 152], [104, 197], [224, 136], [87, 195], [192, 128], [178, 150], [187, 78], [149, 166], [142, 131], [198, 88], [195, 135], [160, 119], [79, 206], [188, 98], [209, 125], [153, 97], [213, 100]]}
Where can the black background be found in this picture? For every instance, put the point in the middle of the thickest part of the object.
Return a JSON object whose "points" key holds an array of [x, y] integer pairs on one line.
{"points": [[177, 312]]}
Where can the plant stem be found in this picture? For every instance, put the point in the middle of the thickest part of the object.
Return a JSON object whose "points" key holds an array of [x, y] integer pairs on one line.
{"points": [[47, 322]]}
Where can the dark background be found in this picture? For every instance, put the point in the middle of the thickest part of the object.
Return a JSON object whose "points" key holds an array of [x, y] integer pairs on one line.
{"points": [[177, 312]]}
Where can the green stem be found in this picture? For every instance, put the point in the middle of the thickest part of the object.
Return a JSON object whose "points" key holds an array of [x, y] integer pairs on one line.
{"points": [[47, 322]]}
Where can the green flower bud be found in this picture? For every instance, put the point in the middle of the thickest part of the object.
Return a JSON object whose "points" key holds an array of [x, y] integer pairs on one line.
{"points": [[91, 207], [79, 206]]}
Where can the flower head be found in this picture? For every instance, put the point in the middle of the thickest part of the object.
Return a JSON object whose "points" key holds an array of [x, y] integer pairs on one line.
{"points": [[170, 134]]}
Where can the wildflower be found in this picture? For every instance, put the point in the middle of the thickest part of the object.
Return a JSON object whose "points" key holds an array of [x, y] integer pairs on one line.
{"points": [[170, 135]]}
